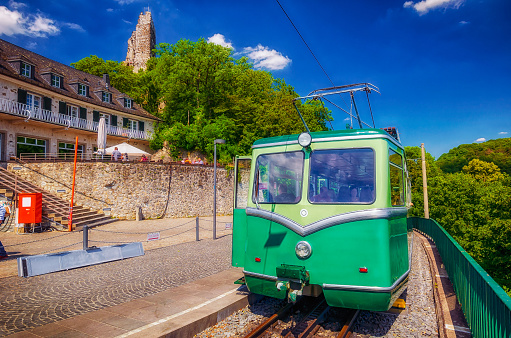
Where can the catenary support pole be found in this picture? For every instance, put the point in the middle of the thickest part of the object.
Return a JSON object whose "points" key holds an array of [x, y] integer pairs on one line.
{"points": [[217, 141], [424, 182], [214, 193]]}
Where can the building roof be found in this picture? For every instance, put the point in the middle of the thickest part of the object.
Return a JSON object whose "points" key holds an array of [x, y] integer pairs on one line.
{"points": [[10, 53]]}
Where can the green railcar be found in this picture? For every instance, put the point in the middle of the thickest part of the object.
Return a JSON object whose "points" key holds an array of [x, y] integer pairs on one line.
{"points": [[324, 212]]}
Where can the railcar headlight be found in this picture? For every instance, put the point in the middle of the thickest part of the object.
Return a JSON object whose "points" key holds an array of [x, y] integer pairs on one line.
{"points": [[303, 250], [305, 139]]}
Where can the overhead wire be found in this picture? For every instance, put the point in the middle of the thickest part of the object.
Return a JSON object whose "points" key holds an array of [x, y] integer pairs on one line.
{"points": [[310, 50]]}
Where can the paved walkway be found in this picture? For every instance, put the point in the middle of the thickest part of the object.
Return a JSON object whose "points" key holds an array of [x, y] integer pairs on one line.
{"points": [[172, 231], [174, 260]]}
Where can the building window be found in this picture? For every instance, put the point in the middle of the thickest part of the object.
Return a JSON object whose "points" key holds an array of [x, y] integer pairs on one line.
{"points": [[33, 102], [82, 89], [128, 103], [107, 118], [26, 70], [56, 80], [72, 111], [132, 125], [28, 145], [106, 97], [68, 148]]}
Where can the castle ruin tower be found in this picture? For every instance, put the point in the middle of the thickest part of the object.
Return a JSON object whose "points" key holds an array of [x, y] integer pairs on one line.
{"points": [[141, 43]]}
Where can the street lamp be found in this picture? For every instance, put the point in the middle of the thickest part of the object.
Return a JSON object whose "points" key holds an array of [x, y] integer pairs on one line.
{"points": [[217, 141]]}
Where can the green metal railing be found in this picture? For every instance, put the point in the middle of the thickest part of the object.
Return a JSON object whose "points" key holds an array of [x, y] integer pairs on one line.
{"points": [[486, 306]]}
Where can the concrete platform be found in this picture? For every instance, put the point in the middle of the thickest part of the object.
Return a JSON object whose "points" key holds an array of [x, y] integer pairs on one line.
{"points": [[182, 311]]}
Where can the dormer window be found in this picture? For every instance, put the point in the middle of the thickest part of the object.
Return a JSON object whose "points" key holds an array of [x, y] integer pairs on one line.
{"points": [[56, 81], [128, 103], [26, 69], [106, 97], [82, 89]]}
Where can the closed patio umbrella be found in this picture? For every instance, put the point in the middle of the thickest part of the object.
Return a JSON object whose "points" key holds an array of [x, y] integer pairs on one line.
{"points": [[102, 136]]}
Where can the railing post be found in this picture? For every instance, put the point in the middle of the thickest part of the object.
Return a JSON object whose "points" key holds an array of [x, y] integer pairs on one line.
{"points": [[85, 237], [197, 228]]}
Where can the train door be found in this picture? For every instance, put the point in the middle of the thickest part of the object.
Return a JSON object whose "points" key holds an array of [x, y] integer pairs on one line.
{"points": [[241, 191]]}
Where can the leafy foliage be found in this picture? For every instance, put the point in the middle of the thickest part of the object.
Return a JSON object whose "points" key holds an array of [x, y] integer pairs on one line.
{"points": [[201, 93], [474, 206], [496, 151]]}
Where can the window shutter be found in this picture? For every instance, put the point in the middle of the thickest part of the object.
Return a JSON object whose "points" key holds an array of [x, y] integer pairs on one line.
{"points": [[62, 108], [125, 122], [113, 120], [32, 72], [141, 125], [87, 91], [95, 116], [47, 103], [22, 96], [83, 113]]}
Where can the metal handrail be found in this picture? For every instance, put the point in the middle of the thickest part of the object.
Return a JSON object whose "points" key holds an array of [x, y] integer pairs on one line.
{"points": [[486, 306], [70, 156], [32, 113]]}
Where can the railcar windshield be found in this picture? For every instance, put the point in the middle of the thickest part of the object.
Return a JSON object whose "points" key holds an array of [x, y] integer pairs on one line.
{"points": [[342, 176], [278, 178]]}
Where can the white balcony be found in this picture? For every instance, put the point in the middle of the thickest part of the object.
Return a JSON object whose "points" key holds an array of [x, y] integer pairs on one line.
{"points": [[38, 114]]}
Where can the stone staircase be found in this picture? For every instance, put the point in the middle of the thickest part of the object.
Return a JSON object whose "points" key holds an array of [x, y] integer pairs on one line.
{"points": [[54, 208]]}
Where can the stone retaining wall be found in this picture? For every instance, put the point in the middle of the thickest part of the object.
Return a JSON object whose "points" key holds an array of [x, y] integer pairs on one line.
{"points": [[124, 187]]}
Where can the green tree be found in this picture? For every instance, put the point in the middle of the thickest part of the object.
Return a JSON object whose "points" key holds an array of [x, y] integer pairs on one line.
{"points": [[483, 171]]}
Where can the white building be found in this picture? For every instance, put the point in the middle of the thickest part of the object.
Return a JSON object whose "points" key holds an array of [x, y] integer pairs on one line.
{"points": [[44, 105]]}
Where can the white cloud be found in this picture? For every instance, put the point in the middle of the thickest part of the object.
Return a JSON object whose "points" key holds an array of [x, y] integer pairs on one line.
{"points": [[424, 6], [263, 57], [31, 45], [41, 27], [13, 22], [464, 22], [74, 26], [503, 133], [481, 139], [16, 5], [109, 9], [126, 21], [126, 2], [219, 39]]}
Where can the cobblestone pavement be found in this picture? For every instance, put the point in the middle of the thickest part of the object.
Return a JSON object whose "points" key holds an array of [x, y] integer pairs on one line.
{"points": [[175, 260]]}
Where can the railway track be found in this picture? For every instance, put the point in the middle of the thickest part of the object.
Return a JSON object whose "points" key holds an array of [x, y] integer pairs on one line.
{"points": [[316, 312]]}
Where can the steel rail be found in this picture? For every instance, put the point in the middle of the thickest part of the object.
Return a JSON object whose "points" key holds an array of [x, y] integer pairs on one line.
{"points": [[309, 324], [258, 331], [346, 329]]}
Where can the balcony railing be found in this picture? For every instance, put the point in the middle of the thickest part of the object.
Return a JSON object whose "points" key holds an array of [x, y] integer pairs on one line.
{"points": [[57, 157], [31, 113]]}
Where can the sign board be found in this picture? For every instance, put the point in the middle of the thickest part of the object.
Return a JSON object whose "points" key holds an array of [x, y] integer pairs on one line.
{"points": [[228, 225], [26, 202], [153, 236]]}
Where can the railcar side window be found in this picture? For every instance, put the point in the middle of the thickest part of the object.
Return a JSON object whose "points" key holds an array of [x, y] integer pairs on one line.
{"points": [[342, 176], [396, 178], [278, 178]]}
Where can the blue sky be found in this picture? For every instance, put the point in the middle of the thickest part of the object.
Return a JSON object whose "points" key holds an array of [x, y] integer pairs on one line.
{"points": [[443, 66]]}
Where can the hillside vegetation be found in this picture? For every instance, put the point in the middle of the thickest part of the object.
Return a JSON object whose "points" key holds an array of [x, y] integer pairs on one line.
{"points": [[473, 202], [496, 151]]}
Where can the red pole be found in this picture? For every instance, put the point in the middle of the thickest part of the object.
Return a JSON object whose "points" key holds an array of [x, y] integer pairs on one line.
{"points": [[70, 225]]}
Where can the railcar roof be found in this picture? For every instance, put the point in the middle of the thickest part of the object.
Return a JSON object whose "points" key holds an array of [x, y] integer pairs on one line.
{"points": [[324, 136]]}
